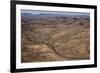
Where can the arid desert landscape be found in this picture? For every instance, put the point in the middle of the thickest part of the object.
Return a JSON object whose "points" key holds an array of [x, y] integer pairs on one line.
{"points": [[54, 36]]}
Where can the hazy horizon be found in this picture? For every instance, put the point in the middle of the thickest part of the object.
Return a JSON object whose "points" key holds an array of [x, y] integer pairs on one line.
{"points": [[35, 12]]}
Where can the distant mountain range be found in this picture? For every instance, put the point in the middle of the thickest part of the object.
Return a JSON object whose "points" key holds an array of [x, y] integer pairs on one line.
{"points": [[46, 14], [27, 14]]}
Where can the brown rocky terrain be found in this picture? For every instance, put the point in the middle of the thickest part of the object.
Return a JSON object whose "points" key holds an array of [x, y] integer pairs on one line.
{"points": [[55, 38]]}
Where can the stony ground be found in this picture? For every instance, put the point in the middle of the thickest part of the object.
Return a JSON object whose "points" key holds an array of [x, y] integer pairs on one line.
{"points": [[57, 40]]}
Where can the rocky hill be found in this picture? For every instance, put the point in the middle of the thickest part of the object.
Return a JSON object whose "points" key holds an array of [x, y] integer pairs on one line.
{"points": [[55, 38]]}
